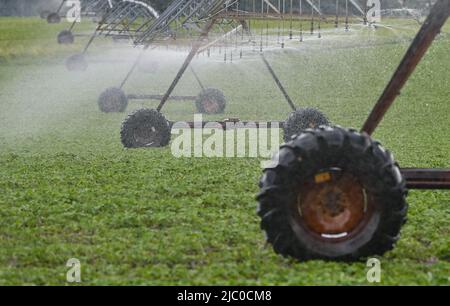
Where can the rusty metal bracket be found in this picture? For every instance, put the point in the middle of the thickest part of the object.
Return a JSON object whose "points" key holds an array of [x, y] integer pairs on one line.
{"points": [[427, 178]]}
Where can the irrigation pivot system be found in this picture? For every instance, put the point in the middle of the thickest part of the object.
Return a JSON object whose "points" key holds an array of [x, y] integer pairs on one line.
{"points": [[227, 25], [205, 24], [331, 192]]}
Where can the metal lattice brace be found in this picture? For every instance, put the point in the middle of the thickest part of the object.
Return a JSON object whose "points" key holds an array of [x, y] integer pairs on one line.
{"points": [[122, 18], [203, 15], [125, 18], [181, 15], [191, 15]]}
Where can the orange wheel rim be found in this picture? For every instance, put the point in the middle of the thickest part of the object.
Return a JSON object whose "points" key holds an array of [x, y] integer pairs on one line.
{"points": [[333, 208]]}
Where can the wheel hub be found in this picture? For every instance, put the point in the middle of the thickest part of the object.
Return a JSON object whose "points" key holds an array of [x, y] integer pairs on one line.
{"points": [[332, 207], [332, 204]]}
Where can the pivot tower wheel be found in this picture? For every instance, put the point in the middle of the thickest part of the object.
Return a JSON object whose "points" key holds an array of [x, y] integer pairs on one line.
{"points": [[302, 119], [145, 128], [113, 100], [65, 37], [334, 194], [211, 101]]}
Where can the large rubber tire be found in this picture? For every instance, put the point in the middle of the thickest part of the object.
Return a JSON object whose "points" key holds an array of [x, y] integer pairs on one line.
{"points": [[65, 37], [211, 101], [145, 128], [53, 18], [302, 119], [76, 62], [301, 162], [113, 100]]}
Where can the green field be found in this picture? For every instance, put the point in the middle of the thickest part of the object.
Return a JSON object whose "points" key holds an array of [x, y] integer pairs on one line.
{"points": [[68, 189]]}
